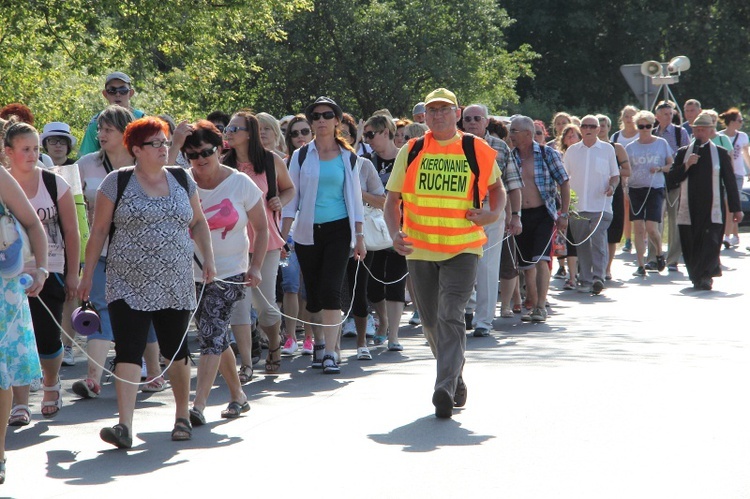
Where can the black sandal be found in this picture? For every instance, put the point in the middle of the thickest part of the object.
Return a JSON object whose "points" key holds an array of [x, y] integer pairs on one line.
{"points": [[272, 366], [118, 435], [196, 417], [182, 431], [245, 374], [234, 409]]}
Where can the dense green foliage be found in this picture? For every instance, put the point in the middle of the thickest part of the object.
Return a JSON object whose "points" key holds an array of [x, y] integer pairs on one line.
{"points": [[583, 43], [189, 57]]}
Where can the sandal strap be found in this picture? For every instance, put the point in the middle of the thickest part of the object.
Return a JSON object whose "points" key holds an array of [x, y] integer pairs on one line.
{"points": [[20, 407], [54, 388]]}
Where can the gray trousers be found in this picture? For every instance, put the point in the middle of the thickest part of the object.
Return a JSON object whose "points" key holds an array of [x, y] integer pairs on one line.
{"points": [[441, 291], [483, 301], [593, 255]]}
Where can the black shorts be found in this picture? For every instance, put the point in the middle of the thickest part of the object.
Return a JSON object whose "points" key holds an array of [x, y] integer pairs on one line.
{"points": [[535, 242], [614, 232], [130, 328], [646, 203]]}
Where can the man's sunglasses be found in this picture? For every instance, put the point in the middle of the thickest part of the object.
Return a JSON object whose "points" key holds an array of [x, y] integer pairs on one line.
{"points": [[118, 90]]}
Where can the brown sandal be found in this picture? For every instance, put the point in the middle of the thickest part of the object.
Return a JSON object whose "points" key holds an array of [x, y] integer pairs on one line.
{"points": [[272, 366]]}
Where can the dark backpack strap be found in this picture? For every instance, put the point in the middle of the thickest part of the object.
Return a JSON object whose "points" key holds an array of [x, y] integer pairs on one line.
{"points": [[107, 163], [374, 158], [180, 175], [50, 183], [616, 136], [467, 144], [302, 155], [270, 167], [353, 159], [678, 135], [414, 151], [123, 177]]}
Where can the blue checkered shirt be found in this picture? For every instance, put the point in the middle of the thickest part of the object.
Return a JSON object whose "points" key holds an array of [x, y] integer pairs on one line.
{"points": [[547, 175], [507, 163]]}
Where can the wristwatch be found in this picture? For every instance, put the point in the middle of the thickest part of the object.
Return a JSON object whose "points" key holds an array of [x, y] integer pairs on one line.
{"points": [[45, 271], [515, 213], [563, 215]]}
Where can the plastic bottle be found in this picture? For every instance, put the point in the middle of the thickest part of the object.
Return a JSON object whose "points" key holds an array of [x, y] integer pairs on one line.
{"points": [[559, 245], [25, 280]]}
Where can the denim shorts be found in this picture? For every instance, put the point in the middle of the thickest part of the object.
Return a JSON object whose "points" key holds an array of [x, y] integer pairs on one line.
{"points": [[290, 275], [648, 202]]}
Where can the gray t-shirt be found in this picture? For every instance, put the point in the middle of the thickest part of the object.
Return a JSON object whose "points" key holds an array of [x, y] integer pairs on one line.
{"points": [[642, 158], [150, 262]]}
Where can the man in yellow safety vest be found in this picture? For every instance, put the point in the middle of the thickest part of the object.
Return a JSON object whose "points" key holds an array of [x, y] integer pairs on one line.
{"points": [[440, 179]]}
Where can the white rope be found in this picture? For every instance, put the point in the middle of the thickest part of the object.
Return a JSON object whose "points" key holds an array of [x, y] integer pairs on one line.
{"points": [[111, 373], [273, 305], [601, 216]]}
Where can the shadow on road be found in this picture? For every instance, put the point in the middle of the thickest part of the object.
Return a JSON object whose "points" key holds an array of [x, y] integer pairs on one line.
{"points": [[428, 434]]}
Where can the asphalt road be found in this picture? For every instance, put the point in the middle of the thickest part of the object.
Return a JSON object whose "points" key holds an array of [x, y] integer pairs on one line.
{"points": [[639, 392]]}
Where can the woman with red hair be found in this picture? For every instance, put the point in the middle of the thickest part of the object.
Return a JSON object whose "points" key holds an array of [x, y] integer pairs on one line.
{"points": [[149, 212]]}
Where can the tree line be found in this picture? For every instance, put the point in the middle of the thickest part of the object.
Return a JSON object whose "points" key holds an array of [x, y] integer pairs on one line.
{"points": [[189, 57]]}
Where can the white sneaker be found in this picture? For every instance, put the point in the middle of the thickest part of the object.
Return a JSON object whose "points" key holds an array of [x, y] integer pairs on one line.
{"points": [[69, 359], [363, 353], [349, 330], [734, 241], [290, 347], [371, 326]]}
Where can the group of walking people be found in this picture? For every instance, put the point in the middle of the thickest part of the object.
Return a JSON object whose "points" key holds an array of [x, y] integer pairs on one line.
{"points": [[242, 221]]}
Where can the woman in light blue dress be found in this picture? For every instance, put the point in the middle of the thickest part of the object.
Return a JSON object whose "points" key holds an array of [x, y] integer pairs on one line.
{"points": [[19, 360]]}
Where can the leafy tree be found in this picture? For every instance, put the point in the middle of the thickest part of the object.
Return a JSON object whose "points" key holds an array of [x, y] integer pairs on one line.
{"points": [[382, 53], [188, 57]]}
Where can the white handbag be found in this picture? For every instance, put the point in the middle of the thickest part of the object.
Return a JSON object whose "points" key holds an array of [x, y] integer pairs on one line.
{"points": [[14, 244], [375, 229]]}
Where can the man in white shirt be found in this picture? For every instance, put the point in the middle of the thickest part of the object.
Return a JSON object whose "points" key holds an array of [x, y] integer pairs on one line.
{"points": [[592, 166]]}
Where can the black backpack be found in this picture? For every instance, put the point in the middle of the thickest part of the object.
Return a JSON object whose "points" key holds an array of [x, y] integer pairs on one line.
{"points": [[467, 144]]}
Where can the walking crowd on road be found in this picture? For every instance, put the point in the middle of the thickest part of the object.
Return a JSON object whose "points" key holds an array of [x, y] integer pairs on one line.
{"points": [[290, 234]]}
